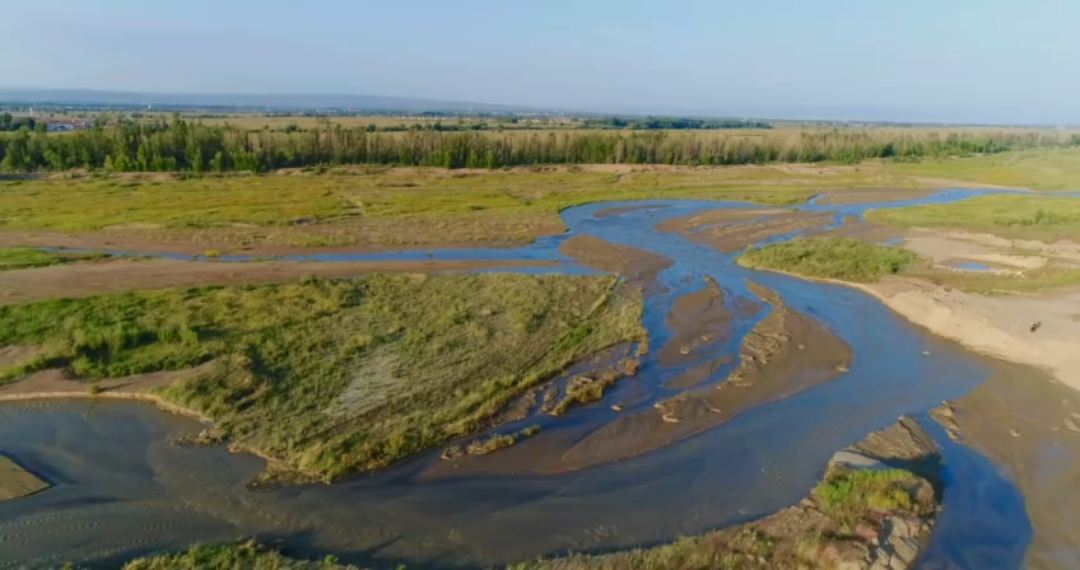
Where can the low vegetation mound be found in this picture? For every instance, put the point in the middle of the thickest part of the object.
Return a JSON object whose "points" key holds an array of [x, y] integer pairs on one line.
{"points": [[1047, 218], [337, 376], [830, 258], [26, 257], [236, 556]]}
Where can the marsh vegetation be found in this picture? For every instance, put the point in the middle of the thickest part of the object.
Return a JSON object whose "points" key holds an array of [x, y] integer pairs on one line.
{"points": [[846, 259], [337, 376], [1037, 217], [233, 556]]}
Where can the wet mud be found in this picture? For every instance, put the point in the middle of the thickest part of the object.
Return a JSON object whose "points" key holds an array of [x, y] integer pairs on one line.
{"points": [[785, 353], [734, 230], [635, 264]]}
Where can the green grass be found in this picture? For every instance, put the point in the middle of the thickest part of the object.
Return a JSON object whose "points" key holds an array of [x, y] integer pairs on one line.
{"points": [[830, 258], [27, 257], [1039, 217], [338, 376], [988, 283], [94, 203], [850, 496], [237, 556], [1042, 169]]}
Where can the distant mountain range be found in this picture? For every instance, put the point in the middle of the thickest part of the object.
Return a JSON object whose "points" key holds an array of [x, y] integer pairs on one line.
{"points": [[369, 103]]}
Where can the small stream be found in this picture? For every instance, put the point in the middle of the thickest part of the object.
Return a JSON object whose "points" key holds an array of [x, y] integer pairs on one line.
{"points": [[121, 489]]}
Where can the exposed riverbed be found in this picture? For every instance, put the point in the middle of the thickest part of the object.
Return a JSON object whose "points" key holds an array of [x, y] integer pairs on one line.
{"points": [[120, 488]]}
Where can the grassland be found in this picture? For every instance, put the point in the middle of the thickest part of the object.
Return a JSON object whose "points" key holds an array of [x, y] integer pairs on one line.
{"points": [[1038, 217], [24, 257], [1042, 169], [337, 376], [830, 258], [96, 203], [377, 207], [382, 207]]}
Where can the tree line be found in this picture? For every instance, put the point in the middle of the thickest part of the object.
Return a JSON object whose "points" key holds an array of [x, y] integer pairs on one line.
{"points": [[673, 123], [180, 145], [11, 123]]}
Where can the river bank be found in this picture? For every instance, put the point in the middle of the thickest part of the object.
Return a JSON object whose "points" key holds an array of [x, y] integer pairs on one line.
{"points": [[1029, 423]]}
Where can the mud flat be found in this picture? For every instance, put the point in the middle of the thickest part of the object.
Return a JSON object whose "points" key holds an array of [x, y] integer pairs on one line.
{"points": [[874, 509], [698, 320], [16, 482], [785, 353], [636, 264], [734, 229], [1029, 424], [88, 279]]}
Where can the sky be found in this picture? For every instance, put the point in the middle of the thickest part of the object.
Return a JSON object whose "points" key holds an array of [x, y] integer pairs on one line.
{"points": [[992, 61]]}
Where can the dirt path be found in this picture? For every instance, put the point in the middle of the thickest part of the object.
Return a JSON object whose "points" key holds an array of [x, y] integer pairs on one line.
{"points": [[343, 236], [87, 279]]}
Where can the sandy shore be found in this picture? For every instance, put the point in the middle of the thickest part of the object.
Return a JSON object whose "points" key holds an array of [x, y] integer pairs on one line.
{"points": [[53, 384], [16, 482], [997, 326], [994, 326]]}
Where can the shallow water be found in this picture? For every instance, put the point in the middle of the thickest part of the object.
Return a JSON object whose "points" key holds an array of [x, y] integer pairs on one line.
{"points": [[974, 266], [122, 490]]}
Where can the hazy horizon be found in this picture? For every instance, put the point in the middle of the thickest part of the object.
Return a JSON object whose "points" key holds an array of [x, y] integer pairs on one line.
{"points": [[967, 62]]}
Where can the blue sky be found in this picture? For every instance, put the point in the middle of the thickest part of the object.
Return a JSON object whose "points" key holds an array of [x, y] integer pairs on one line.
{"points": [[942, 60]]}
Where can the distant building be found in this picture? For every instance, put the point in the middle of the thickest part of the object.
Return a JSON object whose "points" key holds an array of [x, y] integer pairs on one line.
{"points": [[61, 125]]}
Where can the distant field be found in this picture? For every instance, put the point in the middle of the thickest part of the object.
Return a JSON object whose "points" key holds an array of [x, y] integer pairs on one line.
{"points": [[338, 376], [1044, 169], [386, 206], [382, 206], [1041, 217]]}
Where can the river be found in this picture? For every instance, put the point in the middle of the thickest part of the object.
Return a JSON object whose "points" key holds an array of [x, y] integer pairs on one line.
{"points": [[122, 489]]}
